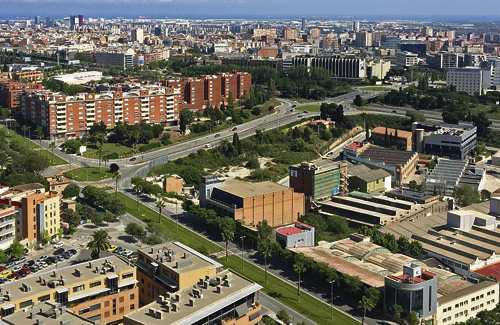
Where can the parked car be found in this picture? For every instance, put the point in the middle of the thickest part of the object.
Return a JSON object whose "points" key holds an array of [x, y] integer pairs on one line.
{"points": [[17, 268], [23, 273], [59, 244], [112, 248], [9, 265], [21, 260], [66, 255], [126, 252], [2, 268], [34, 268], [42, 264], [3, 280], [26, 270], [133, 255], [15, 276], [119, 250], [72, 251], [42, 258], [5, 273], [60, 258], [51, 260], [29, 263], [59, 251]]}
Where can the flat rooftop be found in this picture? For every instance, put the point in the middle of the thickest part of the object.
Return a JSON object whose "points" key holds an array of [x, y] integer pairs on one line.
{"points": [[112, 264], [391, 131], [436, 236], [213, 298], [158, 254], [409, 195], [45, 313], [244, 189], [387, 156]]}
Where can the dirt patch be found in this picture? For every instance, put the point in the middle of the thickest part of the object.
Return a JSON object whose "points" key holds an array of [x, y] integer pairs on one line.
{"points": [[238, 171], [174, 136]]}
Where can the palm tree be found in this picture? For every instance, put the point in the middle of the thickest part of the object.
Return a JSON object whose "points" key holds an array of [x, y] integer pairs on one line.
{"points": [[299, 267], [52, 146], [105, 159], [116, 176], [365, 304], [99, 154], [227, 228], [99, 243], [160, 204], [24, 128], [39, 133]]}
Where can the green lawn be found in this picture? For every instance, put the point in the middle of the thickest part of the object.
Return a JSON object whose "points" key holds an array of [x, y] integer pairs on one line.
{"points": [[309, 108], [122, 150], [482, 108], [374, 88], [94, 174], [13, 135], [168, 227], [53, 160], [285, 293]]}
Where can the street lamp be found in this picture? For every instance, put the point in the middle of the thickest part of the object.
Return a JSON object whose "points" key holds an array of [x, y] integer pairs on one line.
{"points": [[242, 251], [331, 300], [176, 218]]}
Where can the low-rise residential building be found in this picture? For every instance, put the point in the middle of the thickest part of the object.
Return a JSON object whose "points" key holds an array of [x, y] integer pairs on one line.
{"points": [[365, 179], [225, 298], [8, 216], [170, 267], [57, 182], [38, 211], [103, 290]]}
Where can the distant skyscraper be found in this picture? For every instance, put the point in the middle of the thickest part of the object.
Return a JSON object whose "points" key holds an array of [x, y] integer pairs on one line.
{"points": [[355, 25], [37, 20], [73, 20], [303, 23], [138, 35], [80, 20], [48, 22]]}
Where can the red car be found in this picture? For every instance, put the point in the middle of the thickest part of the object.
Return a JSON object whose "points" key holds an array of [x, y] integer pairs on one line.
{"points": [[26, 270], [2, 268], [15, 275]]}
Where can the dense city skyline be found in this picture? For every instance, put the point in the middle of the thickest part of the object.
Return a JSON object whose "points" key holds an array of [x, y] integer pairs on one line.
{"points": [[359, 9]]}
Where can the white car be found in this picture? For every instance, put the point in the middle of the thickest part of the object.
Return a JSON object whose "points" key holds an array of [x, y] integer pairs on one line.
{"points": [[17, 268], [208, 146], [42, 264], [42, 258], [59, 244]]}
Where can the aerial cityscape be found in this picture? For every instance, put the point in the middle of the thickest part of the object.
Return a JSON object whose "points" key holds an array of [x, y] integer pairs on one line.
{"points": [[236, 162]]}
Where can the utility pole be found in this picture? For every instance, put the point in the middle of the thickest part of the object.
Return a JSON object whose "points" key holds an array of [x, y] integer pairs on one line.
{"points": [[318, 139]]}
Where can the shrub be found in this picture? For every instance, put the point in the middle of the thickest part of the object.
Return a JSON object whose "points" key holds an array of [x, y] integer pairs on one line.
{"points": [[166, 142], [113, 155], [149, 146]]}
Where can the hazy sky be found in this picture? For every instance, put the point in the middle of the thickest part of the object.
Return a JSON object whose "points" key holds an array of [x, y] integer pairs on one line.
{"points": [[442, 9]]}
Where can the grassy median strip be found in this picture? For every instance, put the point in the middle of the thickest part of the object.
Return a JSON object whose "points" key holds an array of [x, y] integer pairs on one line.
{"points": [[308, 306], [285, 293], [168, 227]]}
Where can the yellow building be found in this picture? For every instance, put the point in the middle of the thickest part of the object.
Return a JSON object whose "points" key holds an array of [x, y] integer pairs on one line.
{"points": [[170, 267], [103, 290], [466, 303]]}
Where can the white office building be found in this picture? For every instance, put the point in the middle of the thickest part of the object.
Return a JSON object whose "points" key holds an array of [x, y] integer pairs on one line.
{"points": [[468, 79]]}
